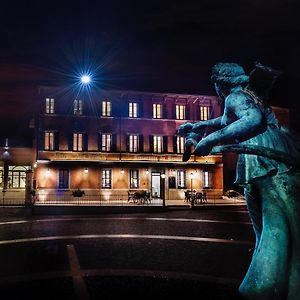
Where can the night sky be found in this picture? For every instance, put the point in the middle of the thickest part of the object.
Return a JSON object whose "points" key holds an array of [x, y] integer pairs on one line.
{"points": [[158, 46]]}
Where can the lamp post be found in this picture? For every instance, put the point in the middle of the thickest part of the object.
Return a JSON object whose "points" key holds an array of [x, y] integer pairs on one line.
{"points": [[192, 196], [163, 177], [5, 157]]}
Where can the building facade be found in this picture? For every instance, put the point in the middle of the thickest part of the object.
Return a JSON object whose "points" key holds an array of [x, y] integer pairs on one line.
{"points": [[109, 143]]}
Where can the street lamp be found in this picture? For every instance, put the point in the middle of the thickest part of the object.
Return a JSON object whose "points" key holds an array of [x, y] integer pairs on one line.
{"points": [[85, 79], [163, 177]]}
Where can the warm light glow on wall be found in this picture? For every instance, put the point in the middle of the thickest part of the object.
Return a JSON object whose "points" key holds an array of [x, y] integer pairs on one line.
{"points": [[122, 171], [48, 173], [86, 170]]}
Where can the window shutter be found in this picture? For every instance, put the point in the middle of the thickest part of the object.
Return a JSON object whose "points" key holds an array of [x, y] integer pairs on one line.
{"points": [[175, 143], [127, 143], [187, 112], [114, 142], [165, 144], [174, 111], [70, 142], [164, 111], [56, 140], [85, 142], [140, 109], [141, 143], [151, 143]]}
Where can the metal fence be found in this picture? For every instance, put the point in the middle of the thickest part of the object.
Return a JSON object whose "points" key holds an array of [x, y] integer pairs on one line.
{"points": [[92, 200], [12, 197]]}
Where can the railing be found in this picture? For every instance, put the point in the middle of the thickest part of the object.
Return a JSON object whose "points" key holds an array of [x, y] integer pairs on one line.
{"points": [[58, 198], [12, 197]]}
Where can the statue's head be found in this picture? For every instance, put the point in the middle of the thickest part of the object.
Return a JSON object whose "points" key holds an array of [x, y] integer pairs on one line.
{"points": [[185, 129], [226, 76]]}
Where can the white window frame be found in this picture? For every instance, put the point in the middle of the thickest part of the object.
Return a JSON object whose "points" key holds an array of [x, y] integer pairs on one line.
{"points": [[157, 144], [180, 112], [49, 141], [207, 179], [181, 179], [204, 113], [106, 179], [132, 109], [78, 141], [157, 110], [49, 106], [134, 178], [106, 142], [180, 141], [106, 108], [78, 107], [133, 143]]}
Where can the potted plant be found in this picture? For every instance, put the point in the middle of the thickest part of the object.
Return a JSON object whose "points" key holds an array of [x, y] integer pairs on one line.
{"points": [[78, 193]]}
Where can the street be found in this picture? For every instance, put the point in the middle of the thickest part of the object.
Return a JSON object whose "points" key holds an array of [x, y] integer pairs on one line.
{"points": [[198, 254]]}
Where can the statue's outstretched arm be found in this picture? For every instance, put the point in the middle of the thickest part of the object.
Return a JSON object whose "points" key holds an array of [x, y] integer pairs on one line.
{"points": [[247, 123], [216, 123]]}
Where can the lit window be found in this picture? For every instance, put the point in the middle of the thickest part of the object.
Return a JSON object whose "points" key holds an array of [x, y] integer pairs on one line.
{"points": [[180, 144], [106, 179], [106, 108], [204, 113], [133, 143], [49, 109], [134, 179], [132, 107], [106, 140], [63, 179], [17, 177], [157, 144], [180, 112], [181, 179], [77, 142], [207, 179], [157, 111], [78, 107], [49, 140]]}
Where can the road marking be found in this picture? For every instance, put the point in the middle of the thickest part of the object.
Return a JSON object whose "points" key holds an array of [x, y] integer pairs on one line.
{"points": [[78, 281], [123, 218], [125, 236], [121, 272]]}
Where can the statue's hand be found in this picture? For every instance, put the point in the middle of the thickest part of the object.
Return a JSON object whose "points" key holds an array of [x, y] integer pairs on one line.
{"points": [[198, 127], [203, 148]]}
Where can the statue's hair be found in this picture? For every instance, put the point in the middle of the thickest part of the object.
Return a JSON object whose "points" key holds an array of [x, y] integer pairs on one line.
{"points": [[229, 74]]}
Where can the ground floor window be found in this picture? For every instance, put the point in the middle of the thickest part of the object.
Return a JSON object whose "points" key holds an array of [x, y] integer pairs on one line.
{"points": [[16, 177], [134, 179], [106, 179], [207, 180], [181, 179], [63, 179]]}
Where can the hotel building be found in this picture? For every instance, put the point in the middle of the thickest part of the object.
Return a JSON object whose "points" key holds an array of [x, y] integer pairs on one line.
{"points": [[109, 143]]}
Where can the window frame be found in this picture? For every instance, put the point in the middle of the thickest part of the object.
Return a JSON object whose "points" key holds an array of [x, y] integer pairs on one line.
{"points": [[180, 142], [76, 137], [106, 108], [207, 179], [180, 111], [133, 143], [132, 110], [158, 144], [50, 140], [49, 105], [134, 180], [78, 107], [157, 110], [106, 178], [204, 112], [63, 184], [105, 142], [181, 179]]}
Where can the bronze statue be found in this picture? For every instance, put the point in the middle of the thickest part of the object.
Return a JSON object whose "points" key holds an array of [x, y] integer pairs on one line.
{"points": [[269, 170]]}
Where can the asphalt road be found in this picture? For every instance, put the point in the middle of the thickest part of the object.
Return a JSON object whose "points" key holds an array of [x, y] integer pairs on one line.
{"points": [[179, 253]]}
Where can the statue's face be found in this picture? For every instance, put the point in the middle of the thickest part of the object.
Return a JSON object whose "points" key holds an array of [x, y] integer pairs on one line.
{"points": [[220, 92]]}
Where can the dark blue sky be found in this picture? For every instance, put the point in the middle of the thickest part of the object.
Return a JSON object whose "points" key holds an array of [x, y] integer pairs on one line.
{"points": [[167, 46]]}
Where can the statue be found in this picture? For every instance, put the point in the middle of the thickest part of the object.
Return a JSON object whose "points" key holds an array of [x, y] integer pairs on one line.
{"points": [[270, 175]]}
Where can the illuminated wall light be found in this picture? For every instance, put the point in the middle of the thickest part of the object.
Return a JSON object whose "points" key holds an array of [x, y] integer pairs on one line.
{"points": [[173, 172], [147, 172], [122, 171], [86, 170], [35, 165], [163, 176], [48, 173]]}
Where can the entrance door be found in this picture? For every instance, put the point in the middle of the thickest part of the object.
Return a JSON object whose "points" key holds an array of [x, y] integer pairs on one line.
{"points": [[155, 184]]}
